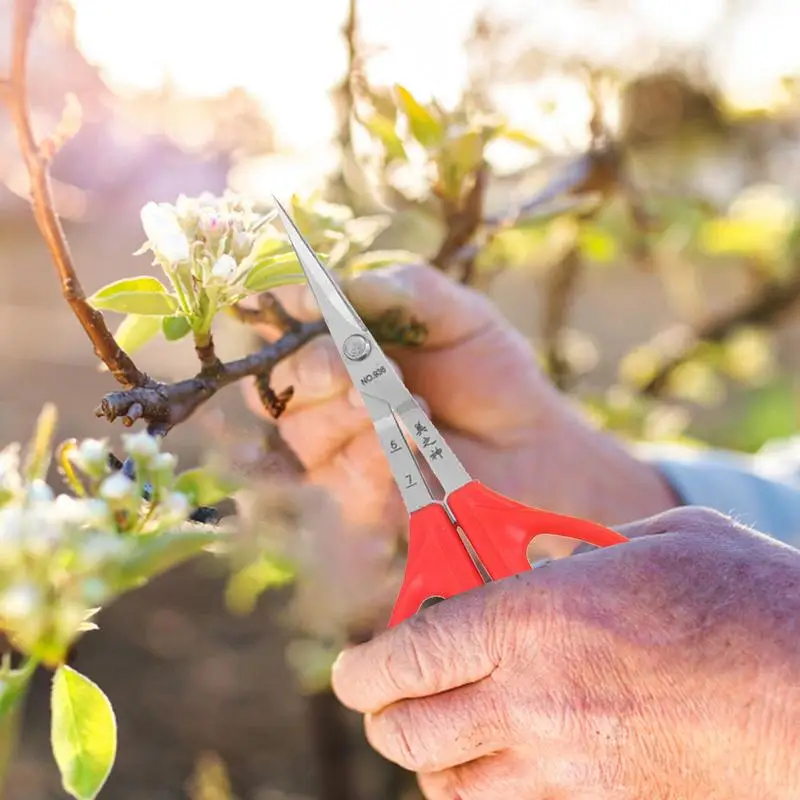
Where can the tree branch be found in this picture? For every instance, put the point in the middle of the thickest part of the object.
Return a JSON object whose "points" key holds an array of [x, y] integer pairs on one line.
{"points": [[166, 405], [774, 300], [14, 93]]}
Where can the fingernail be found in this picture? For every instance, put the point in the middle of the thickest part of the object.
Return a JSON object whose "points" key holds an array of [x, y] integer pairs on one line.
{"points": [[378, 290], [315, 366]]}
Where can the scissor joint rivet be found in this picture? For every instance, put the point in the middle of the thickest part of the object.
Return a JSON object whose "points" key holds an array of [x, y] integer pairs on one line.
{"points": [[356, 347]]}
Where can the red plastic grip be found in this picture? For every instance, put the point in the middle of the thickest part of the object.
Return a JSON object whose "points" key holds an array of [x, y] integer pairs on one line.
{"points": [[438, 563], [500, 529]]}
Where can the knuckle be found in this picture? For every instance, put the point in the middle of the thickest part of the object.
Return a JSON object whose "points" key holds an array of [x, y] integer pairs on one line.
{"points": [[695, 519], [422, 654], [402, 736]]}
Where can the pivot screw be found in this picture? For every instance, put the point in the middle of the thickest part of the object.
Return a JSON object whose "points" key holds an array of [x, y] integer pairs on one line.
{"points": [[356, 347]]}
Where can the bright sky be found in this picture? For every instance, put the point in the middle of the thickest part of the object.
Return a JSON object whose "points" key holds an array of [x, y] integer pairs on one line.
{"points": [[289, 54]]}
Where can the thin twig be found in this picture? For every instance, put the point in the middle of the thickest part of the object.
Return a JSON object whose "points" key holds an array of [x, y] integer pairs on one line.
{"points": [[270, 311], [562, 283], [15, 95], [771, 303]]}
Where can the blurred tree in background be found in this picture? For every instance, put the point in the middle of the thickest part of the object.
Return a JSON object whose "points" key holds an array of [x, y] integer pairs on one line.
{"points": [[622, 178]]}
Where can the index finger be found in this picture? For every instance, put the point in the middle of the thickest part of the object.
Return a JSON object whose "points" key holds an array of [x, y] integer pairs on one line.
{"points": [[441, 648], [421, 291]]}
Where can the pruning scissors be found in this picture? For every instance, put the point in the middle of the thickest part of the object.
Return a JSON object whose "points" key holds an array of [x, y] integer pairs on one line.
{"points": [[472, 536]]}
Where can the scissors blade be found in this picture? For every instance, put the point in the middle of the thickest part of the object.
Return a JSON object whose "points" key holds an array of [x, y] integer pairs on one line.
{"points": [[385, 395]]}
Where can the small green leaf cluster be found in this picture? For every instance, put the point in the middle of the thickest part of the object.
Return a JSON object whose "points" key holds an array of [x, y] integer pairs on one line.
{"points": [[454, 142]]}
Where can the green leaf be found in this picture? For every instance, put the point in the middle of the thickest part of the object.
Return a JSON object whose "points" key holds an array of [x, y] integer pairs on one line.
{"points": [[203, 487], [143, 295], [175, 328], [135, 331], [269, 273], [83, 733], [156, 554], [248, 583], [425, 127], [383, 129]]}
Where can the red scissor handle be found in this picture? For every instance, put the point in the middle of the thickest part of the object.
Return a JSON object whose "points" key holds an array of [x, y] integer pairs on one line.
{"points": [[438, 563], [501, 529]]}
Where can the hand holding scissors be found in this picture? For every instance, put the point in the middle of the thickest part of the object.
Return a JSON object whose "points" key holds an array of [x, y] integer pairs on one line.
{"points": [[473, 535]]}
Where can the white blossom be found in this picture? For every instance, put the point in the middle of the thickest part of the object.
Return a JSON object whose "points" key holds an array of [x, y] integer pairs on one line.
{"points": [[20, 601], [91, 455], [141, 445], [40, 492], [117, 487], [224, 268], [175, 508], [164, 232], [164, 462]]}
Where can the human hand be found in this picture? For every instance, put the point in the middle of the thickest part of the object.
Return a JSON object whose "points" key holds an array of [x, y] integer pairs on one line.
{"points": [[664, 667], [479, 379]]}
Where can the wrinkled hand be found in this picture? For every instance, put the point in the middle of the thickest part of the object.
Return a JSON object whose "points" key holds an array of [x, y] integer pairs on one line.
{"points": [[478, 377], [662, 668]]}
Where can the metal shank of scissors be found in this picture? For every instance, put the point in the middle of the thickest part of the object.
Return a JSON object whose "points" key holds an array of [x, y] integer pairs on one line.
{"points": [[385, 396]]}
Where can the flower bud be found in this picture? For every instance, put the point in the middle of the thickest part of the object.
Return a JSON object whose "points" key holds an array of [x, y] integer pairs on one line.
{"points": [[21, 601], [10, 478], [224, 269], [212, 226], [43, 532], [117, 487], [89, 512], [91, 456], [141, 445], [174, 509], [241, 243], [12, 535], [164, 462], [39, 492]]}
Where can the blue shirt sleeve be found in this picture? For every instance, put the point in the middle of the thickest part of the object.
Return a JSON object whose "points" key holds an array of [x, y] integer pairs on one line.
{"points": [[761, 491]]}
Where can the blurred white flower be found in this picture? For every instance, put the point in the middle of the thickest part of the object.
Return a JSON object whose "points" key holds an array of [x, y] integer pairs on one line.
{"points": [[224, 269], [164, 232], [10, 478], [40, 492], [164, 462], [117, 487], [21, 601], [91, 455], [82, 512], [174, 509], [141, 445]]}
